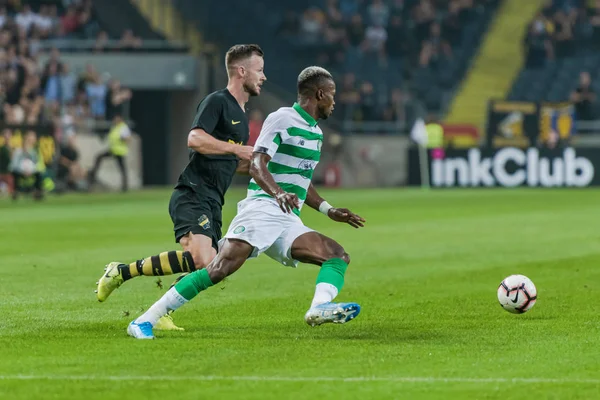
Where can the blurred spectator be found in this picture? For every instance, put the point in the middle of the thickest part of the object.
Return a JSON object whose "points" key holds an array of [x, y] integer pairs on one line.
{"points": [[452, 25], [101, 42], [348, 8], [70, 174], [335, 27], [12, 6], [43, 23], [51, 84], [355, 31], [129, 41], [119, 137], [396, 109], [594, 15], [369, 109], [87, 26], [423, 16], [82, 106], [25, 168], [70, 21], [400, 9], [255, 124], [35, 43], [375, 38], [584, 98], [26, 18], [379, 13], [32, 99], [332, 9], [6, 179], [87, 76], [116, 98], [564, 35], [3, 16], [538, 44], [54, 59], [96, 93], [311, 25], [55, 19], [348, 97], [397, 43], [68, 85], [435, 49], [67, 122], [13, 90]]}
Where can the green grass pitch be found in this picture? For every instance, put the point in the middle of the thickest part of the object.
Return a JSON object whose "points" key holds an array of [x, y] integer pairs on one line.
{"points": [[425, 270]]}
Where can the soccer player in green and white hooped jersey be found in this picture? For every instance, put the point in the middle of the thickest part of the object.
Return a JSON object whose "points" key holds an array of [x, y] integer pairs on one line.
{"points": [[268, 220]]}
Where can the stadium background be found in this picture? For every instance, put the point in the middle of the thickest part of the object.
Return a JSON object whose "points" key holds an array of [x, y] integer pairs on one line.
{"points": [[493, 73], [502, 77]]}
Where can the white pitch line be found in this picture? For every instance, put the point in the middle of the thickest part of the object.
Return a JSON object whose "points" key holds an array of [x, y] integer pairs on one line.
{"points": [[406, 379]]}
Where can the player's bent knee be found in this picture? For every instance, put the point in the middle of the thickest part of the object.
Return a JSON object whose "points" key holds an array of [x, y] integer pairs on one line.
{"points": [[337, 251], [346, 257]]}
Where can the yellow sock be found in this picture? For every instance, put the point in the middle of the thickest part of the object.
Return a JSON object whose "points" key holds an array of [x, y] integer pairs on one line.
{"points": [[166, 263]]}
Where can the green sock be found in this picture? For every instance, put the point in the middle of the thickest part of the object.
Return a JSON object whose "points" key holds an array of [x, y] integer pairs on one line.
{"points": [[194, 283], [329, 281], [332, 272]]}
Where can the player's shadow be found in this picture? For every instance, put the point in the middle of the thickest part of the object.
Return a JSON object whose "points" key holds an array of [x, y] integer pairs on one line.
{"points": [[300, 332]]}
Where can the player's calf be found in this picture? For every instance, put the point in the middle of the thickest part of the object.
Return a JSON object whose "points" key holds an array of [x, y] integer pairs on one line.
{"points": [[316, 248], [165, 263], [230, 259]]}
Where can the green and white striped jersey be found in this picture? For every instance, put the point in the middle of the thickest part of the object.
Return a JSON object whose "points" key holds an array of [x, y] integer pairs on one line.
{"points": [[293, 140]]}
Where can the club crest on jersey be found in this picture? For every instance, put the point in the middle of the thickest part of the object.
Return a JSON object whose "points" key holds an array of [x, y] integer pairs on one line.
{"points": [[239, 229], [204, 222], [307, 164]]}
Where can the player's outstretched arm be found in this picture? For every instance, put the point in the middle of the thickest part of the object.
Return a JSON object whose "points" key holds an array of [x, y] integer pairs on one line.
{"points": [[264, 179], [203, 143], [313, 200]]}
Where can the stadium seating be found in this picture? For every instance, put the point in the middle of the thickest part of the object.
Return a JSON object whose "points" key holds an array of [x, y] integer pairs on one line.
{"points": [[50, 98], [554, 75], [284, 31]]}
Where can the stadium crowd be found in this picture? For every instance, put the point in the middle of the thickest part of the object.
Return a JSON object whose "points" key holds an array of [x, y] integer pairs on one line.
{"points": [[564, 29], [42, 107], [561, 29], [384, 42]]}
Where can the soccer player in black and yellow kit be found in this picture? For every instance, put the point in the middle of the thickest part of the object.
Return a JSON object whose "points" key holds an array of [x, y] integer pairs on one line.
{"points": [[217, 143]]}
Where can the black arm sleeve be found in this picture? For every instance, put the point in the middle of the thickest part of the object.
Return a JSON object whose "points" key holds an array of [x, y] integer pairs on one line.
{"points": [[208, 114]]}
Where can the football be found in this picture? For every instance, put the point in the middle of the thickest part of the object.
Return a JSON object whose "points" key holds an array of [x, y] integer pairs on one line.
{"points": [[517, 294]]}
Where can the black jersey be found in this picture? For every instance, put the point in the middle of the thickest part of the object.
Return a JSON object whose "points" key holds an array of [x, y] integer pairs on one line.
{"points": [[220, 115]]}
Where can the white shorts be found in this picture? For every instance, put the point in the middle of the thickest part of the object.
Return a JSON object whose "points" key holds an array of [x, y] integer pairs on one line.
{"points": [[262, 224]]}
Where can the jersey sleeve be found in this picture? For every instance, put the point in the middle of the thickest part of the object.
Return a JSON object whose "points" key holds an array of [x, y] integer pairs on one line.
{"points": [[208, 114], [269, 138]]}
